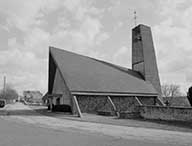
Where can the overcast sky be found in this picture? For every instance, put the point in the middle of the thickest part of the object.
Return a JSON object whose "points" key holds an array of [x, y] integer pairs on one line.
{"points": [[97, 28]]}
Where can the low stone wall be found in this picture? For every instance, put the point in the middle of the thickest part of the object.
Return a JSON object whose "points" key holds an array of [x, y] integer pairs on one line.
{"points": [[166, 113], [2, 112], [129, 115]]}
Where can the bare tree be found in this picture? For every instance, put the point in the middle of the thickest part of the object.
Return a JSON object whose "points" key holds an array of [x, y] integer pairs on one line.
{"points": [[170, 91], [165, 90], [9, 93]]}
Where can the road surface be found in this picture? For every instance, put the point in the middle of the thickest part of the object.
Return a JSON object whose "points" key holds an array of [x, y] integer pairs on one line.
{"points": [[27, 128]]}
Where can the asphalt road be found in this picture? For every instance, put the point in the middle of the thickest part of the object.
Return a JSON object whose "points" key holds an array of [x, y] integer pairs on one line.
{"points": [[39, 130], [23, 134]]}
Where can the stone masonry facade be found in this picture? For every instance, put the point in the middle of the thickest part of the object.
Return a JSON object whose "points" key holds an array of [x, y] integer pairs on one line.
{"points": [[94, 104]]}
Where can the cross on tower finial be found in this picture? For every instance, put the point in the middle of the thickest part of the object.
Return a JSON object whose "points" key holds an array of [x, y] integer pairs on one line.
{"points": [[135, 18]]}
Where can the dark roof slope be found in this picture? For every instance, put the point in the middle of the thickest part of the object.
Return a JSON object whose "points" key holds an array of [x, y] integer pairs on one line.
{"points": [[124, 69], [85, 74]]}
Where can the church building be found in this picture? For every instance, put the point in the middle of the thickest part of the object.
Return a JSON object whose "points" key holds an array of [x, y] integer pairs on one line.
{"points": [[90, 85]]}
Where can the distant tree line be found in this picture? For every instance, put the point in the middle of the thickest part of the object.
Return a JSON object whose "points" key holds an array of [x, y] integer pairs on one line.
{"points": [[9, 93], [169, 92]]}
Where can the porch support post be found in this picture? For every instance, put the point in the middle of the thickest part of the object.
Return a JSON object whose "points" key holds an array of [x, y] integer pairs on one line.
{"points": [[138, 100], [77, 107], [113, 105], [160, 101]]}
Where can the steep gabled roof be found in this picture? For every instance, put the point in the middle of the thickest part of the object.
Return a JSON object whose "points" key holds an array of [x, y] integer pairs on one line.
{"points": [[85, 74]]}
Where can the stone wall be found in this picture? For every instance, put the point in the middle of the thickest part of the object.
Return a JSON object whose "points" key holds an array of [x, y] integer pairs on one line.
{"points": [[125, 103], [93, 104], [166, 113], [147, 100], [3, 112]]}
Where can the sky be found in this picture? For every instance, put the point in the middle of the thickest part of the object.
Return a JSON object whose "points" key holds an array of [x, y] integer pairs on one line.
{"points": [[95, 28]]}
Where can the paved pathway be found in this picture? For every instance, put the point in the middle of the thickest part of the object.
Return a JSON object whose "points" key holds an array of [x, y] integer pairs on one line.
{"points": [[145, 135]]}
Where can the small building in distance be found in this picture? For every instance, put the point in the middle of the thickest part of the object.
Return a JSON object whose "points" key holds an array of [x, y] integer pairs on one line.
{"points": [[32, 97], [91, 85], [178, 101]]}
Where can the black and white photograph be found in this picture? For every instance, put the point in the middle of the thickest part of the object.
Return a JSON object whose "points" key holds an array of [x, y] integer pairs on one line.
{"points": [[95, 73]]}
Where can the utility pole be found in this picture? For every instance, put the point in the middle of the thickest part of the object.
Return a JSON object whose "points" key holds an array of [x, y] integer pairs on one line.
{"points": [[4, 85], [135, 18]]}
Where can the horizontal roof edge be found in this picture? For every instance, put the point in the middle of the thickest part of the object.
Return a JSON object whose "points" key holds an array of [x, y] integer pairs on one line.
{"points": [[112, 93]]}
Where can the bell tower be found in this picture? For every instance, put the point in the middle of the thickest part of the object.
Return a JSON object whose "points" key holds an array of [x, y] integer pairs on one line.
{"points": [[143, 55]]}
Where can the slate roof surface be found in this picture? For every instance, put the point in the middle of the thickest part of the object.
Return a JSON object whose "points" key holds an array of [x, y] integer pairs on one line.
{"points": [[85, 74]]}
